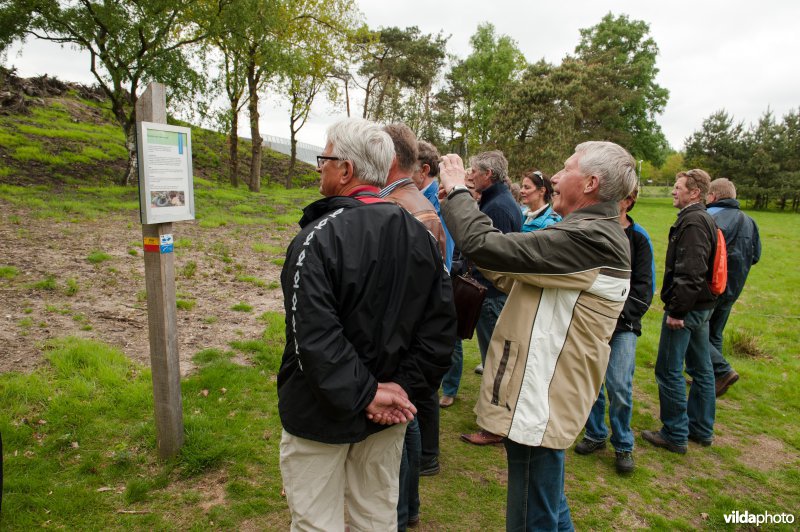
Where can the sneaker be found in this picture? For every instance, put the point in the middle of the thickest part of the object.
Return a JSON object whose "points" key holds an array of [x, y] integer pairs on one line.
{"points": [[430, 469], [726, 381], [479, 369], [624, 462], [587, 446], [655, 438], [701, 441], [446, 401]]}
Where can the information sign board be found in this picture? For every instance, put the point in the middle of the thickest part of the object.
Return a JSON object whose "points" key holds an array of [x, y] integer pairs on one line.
{"points": [[166, 192]]}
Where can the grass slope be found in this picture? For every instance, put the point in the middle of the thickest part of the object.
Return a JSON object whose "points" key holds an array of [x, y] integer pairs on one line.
{"points": [[72, 141], [80, 446]]}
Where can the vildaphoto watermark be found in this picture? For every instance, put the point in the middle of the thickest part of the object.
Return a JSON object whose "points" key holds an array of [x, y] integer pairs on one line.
{"points": [[765, 518]]}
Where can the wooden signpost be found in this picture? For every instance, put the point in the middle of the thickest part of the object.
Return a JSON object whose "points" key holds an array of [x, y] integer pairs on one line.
{"points": [[159, 269]]}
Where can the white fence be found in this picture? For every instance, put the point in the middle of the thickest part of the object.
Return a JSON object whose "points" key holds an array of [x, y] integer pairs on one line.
{"points": [[305, 152]]}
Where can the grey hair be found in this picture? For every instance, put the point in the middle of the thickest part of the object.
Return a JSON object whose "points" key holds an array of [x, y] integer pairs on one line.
{"points": [[722, 188], [614, 167], [491, 160], [366, 145]]}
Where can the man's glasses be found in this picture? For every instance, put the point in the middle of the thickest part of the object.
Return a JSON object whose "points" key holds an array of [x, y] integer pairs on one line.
{"points": [[322, 158]]}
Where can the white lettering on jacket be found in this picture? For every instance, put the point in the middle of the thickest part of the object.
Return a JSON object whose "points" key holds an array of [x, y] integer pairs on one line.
{"points": [[298, 277]]}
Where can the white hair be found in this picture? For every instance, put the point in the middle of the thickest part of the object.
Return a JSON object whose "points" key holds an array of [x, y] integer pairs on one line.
{"points": [[614, 167], [366, 145]]}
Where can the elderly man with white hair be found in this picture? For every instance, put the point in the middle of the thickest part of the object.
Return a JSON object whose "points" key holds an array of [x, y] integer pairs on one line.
{"points": [[370, 324], [566, 286]]}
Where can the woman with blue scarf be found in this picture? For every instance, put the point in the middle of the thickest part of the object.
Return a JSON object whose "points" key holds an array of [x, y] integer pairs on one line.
{"points": [[535, 192]]}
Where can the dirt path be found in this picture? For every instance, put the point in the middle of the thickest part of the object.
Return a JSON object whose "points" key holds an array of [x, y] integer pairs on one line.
{"points": [[109, 304]]}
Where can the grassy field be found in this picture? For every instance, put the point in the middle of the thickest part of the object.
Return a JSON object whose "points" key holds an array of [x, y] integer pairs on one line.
{"points": [[79, 439]]}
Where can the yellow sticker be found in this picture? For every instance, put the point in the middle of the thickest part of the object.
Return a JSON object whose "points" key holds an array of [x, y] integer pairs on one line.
{"points": [[151, 241]]}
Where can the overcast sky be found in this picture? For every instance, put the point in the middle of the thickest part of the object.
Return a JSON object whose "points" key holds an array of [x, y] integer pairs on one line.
{"points": [[737, 55]]}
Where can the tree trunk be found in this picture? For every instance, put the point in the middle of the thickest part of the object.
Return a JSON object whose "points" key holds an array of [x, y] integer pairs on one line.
{"points": [[347, 97], [379, 108], [292, 157], [131, 175], [255, 163], [367, 93], [234, 143]]}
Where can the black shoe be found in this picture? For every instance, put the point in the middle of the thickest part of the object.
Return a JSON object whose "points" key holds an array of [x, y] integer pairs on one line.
{"points": [[430, 469], [655, 437], [587, 446], [413, 522], [701, 441], [624, 462]]}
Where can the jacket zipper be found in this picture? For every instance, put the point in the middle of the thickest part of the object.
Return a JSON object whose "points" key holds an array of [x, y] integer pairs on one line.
{"points": [[498, 378]]}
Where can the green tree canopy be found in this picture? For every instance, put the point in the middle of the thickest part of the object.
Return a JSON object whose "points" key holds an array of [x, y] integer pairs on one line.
{"points": [[477, 86], [396, 63], [130, 44], [622, 99]]}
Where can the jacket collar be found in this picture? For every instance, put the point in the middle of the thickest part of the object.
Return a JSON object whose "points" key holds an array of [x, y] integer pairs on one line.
{"points": [[727, 203], [605, 209], [325, 205], [493, 191], [691, 208]]}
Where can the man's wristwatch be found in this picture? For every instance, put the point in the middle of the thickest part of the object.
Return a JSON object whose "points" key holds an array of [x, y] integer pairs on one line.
{"points": [[456, 189]]}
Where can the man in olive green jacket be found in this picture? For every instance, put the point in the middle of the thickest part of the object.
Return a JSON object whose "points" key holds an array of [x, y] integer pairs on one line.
{"points": [[548, 355]]}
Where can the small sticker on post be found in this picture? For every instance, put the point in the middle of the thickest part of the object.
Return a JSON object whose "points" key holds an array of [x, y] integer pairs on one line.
{"points": [[167, 244], [151, 244]]}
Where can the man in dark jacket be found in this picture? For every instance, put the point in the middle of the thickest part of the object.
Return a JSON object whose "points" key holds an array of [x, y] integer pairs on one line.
{"points": [[488, 170], [744, 250], [421, 449], [622, 360], [688, 303], [370, 325]]}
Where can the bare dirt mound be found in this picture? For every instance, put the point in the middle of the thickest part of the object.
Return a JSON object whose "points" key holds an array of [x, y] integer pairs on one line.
{"points": [[109, 304]]}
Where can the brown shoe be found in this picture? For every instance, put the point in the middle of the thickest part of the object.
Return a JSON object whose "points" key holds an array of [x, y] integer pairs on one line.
{"points": [[726, 381], [482, 437], [446, 401], [655, 437]]}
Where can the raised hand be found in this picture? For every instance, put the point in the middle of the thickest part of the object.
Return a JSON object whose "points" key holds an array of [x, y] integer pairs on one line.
{"points": [[451, 171]]}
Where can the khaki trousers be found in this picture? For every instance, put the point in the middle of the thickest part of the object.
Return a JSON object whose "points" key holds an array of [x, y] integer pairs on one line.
{"points": [[320, 477]]}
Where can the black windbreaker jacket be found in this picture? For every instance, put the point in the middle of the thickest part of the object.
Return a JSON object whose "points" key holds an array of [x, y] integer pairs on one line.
{"points": [[692, 241], [643, 284], [367, 300]]}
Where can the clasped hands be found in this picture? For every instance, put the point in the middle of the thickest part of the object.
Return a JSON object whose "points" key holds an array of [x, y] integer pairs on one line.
{"points": [[390, 405]]}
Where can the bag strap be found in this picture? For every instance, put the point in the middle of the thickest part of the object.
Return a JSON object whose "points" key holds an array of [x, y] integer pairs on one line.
{"points": [[468, 267]]}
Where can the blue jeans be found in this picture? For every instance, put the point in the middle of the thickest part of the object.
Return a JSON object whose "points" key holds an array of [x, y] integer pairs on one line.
{"points": [[490, 311], [408, 498], [619, 386], [716, 326], [452, 379], [688, 346], [536, 499]]}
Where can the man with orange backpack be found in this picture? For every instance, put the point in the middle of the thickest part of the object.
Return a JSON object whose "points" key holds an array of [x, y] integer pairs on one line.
{"points": [[688, 303]]}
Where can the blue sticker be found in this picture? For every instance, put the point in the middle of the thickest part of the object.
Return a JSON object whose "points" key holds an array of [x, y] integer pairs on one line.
{"points": [[167, 244]]}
